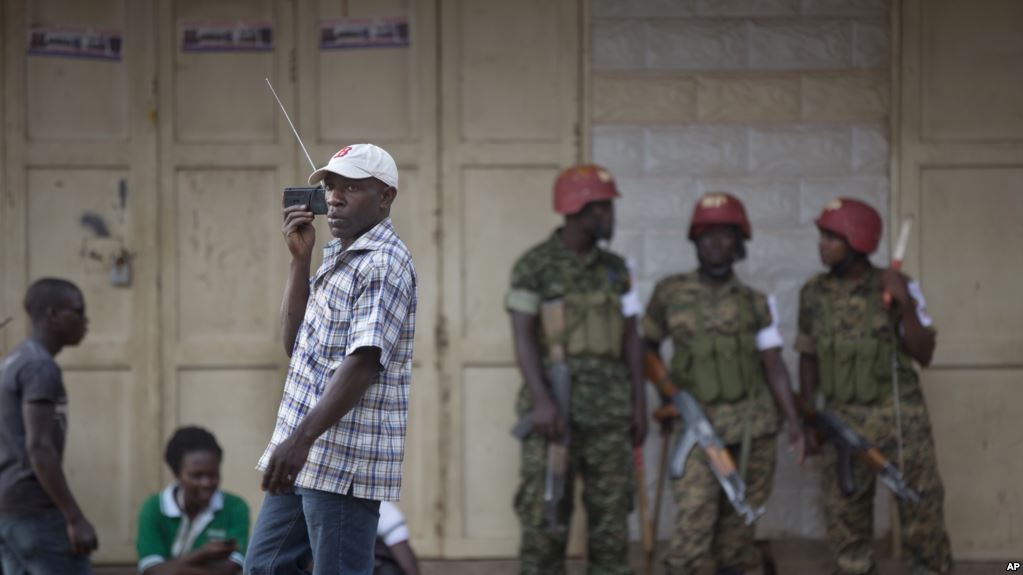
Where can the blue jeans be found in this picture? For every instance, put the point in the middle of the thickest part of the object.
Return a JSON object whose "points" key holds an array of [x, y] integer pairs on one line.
{"points": [[335, 532], [39, 545]]}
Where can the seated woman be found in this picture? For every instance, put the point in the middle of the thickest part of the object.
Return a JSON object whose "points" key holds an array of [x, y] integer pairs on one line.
{"points": [[191, 527]]}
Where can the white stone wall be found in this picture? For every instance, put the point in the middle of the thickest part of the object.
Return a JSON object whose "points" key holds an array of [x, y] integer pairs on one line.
{"points": [[783, 103]]}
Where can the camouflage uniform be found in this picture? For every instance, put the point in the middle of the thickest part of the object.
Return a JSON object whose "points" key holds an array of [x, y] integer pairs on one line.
{"points": [[844, 325], [701, 321], [602, 398]]}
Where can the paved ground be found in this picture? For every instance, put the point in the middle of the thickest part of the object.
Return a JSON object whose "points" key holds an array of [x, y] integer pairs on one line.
{"points": [[798, 557]]}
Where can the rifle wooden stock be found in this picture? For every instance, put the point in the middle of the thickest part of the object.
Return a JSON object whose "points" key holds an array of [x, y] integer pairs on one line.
{"points": [[655, 371], [720, 459], [874, 459], [552, 315]]}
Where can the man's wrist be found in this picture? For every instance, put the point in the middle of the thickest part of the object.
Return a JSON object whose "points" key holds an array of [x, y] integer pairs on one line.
{"points": [[74, 516], [540, 396], [303, 437]]}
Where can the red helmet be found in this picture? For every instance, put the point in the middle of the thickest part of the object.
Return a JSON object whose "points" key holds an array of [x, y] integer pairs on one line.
{"points": [[853, 220], [719, 208], [580, 185]]}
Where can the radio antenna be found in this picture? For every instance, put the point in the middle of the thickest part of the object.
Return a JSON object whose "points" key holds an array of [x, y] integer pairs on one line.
{"points": [[288, 118]]}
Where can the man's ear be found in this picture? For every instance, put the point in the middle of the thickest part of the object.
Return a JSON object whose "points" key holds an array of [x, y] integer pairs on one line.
{"points": [[387, 197]]}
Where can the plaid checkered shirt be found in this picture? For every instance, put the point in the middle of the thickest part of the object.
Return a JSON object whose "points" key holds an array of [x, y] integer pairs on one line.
{"points": [[364, 296]]}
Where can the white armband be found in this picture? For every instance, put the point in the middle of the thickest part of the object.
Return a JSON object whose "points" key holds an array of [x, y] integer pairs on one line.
{"points": [[921, 305], [631, 306], [770, 336]]}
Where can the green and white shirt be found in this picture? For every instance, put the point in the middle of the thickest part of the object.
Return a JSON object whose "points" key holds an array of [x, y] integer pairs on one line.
{"points": [[165, 532]]}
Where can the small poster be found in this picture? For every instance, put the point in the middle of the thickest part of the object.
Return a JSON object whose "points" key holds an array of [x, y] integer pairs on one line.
{"points": [[226, 36], [75, 42], [354, 33]]}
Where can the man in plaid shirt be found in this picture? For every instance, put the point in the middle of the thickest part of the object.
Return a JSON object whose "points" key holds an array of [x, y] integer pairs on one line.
{"points": [[338, 444]]}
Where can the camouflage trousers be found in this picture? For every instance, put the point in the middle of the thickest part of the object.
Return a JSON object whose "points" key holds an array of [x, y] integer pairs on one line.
{"points": [[707, 526], [602, 457], [850, 520]]}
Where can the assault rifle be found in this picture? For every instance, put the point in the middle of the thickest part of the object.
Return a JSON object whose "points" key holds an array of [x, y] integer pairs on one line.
{"points": [[698, 430], [560, 379], [849, 443]]}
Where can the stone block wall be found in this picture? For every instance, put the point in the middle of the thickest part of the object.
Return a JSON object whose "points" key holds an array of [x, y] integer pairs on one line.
{"points": [[785, 104]]}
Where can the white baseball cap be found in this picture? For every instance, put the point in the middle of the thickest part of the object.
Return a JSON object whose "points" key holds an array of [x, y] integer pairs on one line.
{"points": [[360, 161]]}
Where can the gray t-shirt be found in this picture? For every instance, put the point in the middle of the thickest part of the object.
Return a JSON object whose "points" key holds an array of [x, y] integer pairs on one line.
{"points": [[28, 374]]}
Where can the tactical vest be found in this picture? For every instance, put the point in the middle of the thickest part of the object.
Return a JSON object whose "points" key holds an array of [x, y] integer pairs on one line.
{"points": [[718, 368], [857, 367], [594, 323]]}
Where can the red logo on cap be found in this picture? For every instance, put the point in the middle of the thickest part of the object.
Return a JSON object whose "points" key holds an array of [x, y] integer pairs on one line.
{"points": [[342, 152]]}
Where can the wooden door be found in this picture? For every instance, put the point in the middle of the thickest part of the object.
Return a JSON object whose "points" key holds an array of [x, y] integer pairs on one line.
{"points": [[79, 192], [960, 172], [510, 121]]}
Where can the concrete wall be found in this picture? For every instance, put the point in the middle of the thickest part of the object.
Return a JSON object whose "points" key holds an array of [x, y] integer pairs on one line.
{"points": [[783, 103]]}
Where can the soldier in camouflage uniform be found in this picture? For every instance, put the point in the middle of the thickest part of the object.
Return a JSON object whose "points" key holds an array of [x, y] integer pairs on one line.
{"points": [[727, 350], [846, 343], [608, 408]]}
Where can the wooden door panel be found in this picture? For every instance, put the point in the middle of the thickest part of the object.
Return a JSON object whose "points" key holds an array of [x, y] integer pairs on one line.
{"points": [[225, 243], [966, 46], [976, 426], [219, 97], [490, 246], [972, 215], [239, 406], [59, 244], [102, 445], [510, 69], [76, 99]]}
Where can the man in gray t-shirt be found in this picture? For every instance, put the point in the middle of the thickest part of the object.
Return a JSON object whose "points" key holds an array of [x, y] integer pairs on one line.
{"points": [[42, 529], [28, 374]]}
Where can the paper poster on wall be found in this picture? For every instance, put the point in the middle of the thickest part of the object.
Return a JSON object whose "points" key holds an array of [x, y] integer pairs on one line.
{"points": [[226, 36], [75, 42], [354, 33]]}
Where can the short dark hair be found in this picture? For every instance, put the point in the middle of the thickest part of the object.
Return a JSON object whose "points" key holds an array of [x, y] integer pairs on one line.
{"points": [[188, 440], [46, 293]]}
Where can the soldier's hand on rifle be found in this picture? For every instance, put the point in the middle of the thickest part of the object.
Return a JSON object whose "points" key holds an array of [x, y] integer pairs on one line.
{"points": [[546, 419], [299, 233], [667, 425], [895, 284], [665, 415]]}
